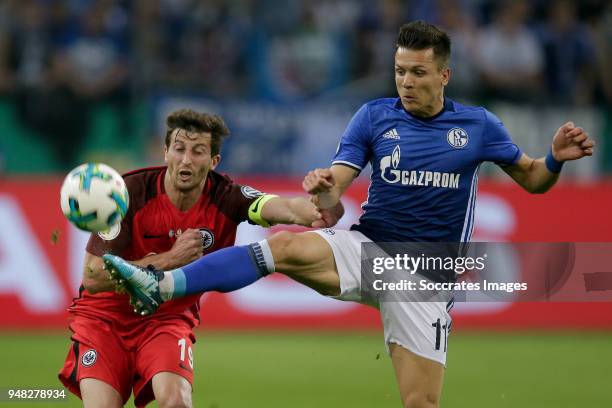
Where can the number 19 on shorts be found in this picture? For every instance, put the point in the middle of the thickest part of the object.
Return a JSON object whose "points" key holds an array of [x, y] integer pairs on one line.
{"points": [[183, 345]]}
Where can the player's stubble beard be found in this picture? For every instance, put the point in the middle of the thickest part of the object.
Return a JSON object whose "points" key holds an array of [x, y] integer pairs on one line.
{"points": [[196, 183], [425, 108], [427, 99], [185, 195]]}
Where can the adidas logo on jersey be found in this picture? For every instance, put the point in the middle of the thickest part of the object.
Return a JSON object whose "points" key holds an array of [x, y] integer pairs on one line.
{"points": [[391, 134]]}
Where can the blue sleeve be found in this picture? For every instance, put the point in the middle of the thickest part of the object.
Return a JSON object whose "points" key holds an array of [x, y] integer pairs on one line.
{"points": [[354, 149], [497, 143]]}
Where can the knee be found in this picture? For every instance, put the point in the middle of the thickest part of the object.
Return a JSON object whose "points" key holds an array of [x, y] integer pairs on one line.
{"points": [[284, 246], [420, 399], [174, 397]]}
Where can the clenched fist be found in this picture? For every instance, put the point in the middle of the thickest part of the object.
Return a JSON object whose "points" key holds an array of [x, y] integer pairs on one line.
{"points": [[188, 247], [571, 143], [318, 181]]}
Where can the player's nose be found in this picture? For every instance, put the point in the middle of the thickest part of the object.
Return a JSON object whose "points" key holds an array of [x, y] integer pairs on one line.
{"points": [[407, 82], [186, 159]]}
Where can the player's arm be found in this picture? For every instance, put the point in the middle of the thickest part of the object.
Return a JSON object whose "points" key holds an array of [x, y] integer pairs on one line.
{"points": [[532, 174], [187, 248], [328, 185], [96, 279], [539, 175], [269, 210]]}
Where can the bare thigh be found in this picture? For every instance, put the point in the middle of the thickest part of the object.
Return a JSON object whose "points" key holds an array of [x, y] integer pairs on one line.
{"points": [[96, 393], [307, 258], [420, 379], [171, 390]]}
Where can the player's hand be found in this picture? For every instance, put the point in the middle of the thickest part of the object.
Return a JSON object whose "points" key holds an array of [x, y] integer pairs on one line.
{"points": [[318, 181], [330, 216], [304, 212], [571, 143], [188, 247]]}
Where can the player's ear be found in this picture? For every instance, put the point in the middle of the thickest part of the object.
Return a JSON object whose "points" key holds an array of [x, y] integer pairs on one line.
{"points": [[446, 73], [165, 154], [215, 161]]}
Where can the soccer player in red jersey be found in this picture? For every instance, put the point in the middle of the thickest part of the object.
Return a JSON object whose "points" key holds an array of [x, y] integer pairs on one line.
{"points": [[177, 214]]}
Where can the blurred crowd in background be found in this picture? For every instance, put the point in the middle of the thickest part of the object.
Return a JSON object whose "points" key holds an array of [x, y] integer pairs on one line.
{"points": [[83, 79]]}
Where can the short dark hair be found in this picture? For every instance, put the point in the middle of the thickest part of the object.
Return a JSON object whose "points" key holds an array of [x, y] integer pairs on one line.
{"points": [[193, 121], [419, 35]]}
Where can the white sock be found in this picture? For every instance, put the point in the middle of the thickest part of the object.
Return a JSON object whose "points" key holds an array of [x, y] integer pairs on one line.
{"points": [[166, 286], [267, 255]]}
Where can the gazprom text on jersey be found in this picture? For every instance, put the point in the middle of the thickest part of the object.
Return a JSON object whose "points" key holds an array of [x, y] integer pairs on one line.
{"points": [[426, 178]]}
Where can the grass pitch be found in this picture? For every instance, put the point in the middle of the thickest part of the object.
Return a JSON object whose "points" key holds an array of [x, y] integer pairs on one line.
{"points": [[351, 369]]}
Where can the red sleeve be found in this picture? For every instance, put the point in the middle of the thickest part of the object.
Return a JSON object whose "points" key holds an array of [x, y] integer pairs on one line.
{"points": [[115, 241], [234, 199]]}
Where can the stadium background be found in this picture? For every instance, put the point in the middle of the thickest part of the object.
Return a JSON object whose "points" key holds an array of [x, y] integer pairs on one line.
{"points": [[93, 80]]}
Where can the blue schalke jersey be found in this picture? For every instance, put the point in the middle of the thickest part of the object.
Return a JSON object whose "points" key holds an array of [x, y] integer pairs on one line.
{"points": [[424, 171]]}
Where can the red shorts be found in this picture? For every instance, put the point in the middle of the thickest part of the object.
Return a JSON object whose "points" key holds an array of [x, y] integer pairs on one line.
{"points": [[98, 352]]}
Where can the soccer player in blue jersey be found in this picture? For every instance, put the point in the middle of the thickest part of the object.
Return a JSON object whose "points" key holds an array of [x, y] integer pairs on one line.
{"points": [[425, 151]]}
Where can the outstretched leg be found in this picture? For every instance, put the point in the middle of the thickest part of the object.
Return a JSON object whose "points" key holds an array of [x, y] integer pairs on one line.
{"points": [[314, 260], [305, 257]]}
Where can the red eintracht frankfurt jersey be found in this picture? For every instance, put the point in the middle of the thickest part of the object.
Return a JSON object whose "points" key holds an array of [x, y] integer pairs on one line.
{"points": [[151, 226]]}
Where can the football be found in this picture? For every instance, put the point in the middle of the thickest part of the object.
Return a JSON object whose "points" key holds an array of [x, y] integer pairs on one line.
{"points": [[94, 197]]}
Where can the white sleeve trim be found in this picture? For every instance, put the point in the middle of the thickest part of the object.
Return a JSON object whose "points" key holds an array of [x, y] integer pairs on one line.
{"points": [[348, 164]]}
